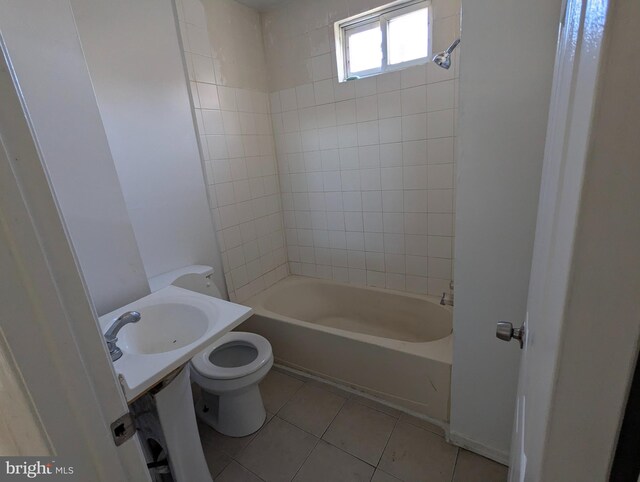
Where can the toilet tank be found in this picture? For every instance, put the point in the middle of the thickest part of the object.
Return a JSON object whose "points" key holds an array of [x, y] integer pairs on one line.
{"points": [[198, 278]]}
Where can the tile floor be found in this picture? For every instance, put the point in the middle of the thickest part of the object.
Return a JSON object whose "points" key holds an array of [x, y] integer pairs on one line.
{"points": [[318, 433]]}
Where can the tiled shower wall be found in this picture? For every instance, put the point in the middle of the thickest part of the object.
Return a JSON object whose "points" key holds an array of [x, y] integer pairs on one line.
{"points": [[366, 167], [222, 42], [364, 176]]}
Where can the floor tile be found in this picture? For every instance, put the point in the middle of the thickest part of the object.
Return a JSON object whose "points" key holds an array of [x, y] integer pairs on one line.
{"points": [[328, 463], [312, 409], [414, 454], [278, 451], [229, 445], [216, 459], [276, 390], [474, 468], [360, 431], [381, 476], [237, 473], [418, 422], [376, 405]]}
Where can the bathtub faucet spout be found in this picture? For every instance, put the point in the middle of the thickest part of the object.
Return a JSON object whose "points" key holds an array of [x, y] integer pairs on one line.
{"points": [[447, 301]]}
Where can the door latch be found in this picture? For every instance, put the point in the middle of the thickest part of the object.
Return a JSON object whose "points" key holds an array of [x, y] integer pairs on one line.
{"points": [[506, 332], [123, 428]]}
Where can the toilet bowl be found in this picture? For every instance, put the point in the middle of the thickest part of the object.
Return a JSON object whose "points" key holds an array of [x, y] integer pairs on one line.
{"points": [[228, 373]]}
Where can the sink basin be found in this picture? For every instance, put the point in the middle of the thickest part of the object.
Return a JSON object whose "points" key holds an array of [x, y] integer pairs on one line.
{"points": [[175, 325], [164, 327]]}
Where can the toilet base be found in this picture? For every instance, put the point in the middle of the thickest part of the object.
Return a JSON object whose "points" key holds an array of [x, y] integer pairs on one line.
{"points": [[236, 414]]}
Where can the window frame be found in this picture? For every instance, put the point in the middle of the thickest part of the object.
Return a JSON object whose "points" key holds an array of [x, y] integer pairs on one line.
{"points": [[382, 15]]}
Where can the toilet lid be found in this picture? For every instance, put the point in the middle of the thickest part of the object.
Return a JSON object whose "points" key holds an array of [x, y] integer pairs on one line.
{"points": [[203, 365]]}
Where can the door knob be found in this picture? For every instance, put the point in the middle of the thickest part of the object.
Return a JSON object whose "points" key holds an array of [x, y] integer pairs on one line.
{"points": [[506, 332]]}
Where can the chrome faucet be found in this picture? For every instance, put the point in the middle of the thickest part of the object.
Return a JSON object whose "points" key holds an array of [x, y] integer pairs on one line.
{"points": [[110, 335], [447, 301]]}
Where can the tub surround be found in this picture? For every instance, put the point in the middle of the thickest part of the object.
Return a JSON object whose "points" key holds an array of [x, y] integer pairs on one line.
{"points": [[402, 354], [362, 190], [366, 166], [231, 110]]}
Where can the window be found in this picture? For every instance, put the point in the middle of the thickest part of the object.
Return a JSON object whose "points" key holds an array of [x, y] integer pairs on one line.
{"points": [[387, 38]]}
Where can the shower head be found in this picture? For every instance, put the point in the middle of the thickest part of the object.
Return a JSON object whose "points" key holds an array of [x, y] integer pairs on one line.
{"points": [[443, 59]]}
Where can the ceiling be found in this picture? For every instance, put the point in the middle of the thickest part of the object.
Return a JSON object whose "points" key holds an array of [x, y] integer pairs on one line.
{"points": [[260, 5]]}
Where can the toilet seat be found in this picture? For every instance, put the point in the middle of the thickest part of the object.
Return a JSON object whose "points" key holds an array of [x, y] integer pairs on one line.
{"points": [[204, 367]]}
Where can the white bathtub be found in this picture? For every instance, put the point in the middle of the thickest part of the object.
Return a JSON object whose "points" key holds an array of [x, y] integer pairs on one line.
{"points": [[395, 346]]}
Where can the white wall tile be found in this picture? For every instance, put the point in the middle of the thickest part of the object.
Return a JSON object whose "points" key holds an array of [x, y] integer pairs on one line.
{"points": [[324, 92], [227, 98], [305, 96], [346, 112], [391, 178], [414, 100], [440, 124], [390, 130], [365, 168], [440, 95], [208, 96], [389, 104], [393, 201], [414, 127], [367, 108]]}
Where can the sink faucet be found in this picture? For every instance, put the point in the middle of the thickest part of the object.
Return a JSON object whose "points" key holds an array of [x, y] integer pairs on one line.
{"points": [[110, 335]]}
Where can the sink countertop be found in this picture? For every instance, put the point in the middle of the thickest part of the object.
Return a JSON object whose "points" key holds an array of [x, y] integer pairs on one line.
{"points": [[140, 368]]}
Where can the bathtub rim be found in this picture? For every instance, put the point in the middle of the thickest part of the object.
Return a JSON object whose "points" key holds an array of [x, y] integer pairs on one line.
{"points": [[440, 350]]}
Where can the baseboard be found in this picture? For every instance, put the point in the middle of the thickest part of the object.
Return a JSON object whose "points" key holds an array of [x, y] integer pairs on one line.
{"points": [[478, 448]]}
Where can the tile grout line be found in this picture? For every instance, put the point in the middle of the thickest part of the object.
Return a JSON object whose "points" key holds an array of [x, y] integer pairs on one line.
{"points": [[334, 418], [321, 439], [255, 435], [387, 443], [247, 469], [318, 439], [292, 395], [397, 419], [306, 458], [335, 446], [455, 464]]}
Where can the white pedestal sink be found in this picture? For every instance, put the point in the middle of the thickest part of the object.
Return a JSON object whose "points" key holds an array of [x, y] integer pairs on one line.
{"points": [[175, 325]]}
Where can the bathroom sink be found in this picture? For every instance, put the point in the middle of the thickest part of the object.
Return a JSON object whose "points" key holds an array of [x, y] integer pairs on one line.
{"points": [[164, 327], [175, 325]]}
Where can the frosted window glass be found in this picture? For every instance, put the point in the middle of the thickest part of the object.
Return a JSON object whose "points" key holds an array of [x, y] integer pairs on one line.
{"points": [[365, 49], [408, 36]]}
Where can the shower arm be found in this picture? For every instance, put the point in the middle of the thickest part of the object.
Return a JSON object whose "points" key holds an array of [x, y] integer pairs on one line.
{"points": [[453, 46]]}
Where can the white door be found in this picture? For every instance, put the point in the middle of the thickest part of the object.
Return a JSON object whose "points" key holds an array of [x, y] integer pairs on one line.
{"points": [[577, 69], [46, 318]]}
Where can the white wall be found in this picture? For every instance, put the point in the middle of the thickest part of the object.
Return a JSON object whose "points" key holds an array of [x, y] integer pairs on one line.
{"points": [[505, 81], [135, 63], [55, 83], [367, 166]]}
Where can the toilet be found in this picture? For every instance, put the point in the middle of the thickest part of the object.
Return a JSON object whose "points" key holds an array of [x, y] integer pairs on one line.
{"points": [[227, 371]]}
